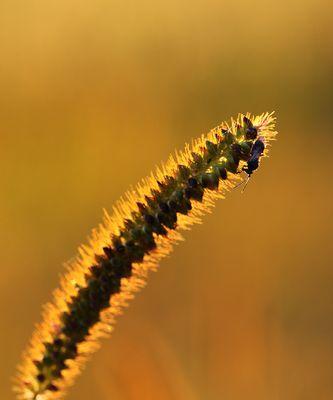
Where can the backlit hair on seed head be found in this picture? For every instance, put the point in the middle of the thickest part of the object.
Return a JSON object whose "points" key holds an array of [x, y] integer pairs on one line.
{"points": [[129, 243]]}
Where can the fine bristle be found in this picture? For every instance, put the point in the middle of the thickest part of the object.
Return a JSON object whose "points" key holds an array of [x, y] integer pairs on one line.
{"points": [[142, 229]]}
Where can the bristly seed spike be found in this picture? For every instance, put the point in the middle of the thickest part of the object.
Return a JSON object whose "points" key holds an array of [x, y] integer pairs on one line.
{"points": [[129, 244]]}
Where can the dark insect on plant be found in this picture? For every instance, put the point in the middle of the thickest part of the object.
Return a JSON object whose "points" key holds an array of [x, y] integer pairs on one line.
{"points": [[253, 162], [256, 152]]}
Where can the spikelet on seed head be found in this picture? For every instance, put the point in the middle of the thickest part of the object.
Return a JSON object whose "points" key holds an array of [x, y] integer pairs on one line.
{"points": [[142, 229]]}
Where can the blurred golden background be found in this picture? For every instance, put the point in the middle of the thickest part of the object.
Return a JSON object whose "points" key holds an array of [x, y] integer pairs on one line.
{"points": [[93, 94]]}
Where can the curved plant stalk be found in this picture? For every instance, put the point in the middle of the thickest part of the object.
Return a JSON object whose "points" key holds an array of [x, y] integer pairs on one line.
{"points": [[126, 246]]}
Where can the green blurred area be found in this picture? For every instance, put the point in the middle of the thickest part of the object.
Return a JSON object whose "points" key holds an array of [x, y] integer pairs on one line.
{"points": [[92, 96]]}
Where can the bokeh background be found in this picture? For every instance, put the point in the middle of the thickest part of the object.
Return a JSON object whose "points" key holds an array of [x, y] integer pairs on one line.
{"points": [[93, 94]]}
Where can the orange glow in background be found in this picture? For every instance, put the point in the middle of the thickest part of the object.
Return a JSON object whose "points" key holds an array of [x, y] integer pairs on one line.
{"points": [[93, 96]]}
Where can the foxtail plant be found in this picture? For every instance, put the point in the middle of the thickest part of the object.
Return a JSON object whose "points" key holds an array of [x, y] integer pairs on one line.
{"points": [[126, 246]]}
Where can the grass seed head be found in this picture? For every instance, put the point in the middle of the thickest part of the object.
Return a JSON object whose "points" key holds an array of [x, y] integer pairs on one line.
{"points": [[130, 243]]}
